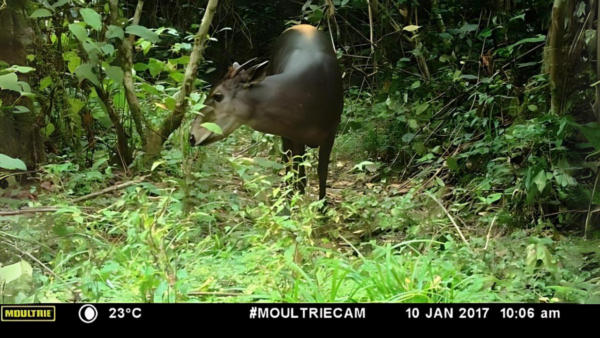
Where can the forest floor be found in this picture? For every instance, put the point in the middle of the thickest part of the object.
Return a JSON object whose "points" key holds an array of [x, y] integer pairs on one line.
{"points": [[208, 229]]}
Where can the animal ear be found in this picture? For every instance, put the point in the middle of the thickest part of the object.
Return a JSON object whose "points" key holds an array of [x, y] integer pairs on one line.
{"points": [[255, 74]]}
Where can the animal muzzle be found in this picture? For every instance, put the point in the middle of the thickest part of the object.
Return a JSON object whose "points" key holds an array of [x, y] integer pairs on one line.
{"points": [[199, 137]]}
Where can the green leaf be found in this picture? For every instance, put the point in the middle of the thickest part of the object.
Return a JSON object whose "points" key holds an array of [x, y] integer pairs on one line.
{"points": [[10, 82], [61, 3], [19, 69], [411, 28], [177, 76], [469, 28], [49, 129], [10, 163], [146, 46], [445, 58], [76, 105], [539, 38], [530, 260], [446, 36], [115, 73], [213, 127], [170, 103], [115, 32], [150, 89], [92, 18], [184, 60], [452, 163], [79, 32], [92, 49], [486, 33], [143, 32], [527, 64], [156, 67], [156, 164], [522, 17], [73, 59], [316, 16], [45, 82], [86, 71], [406, 138], [493, 198], [140, 67], [108, 49], [21, 110], [41, 13], [422, 108], [533, 107], [591, 133], [370, 166], [540, 180], [26, 87], [15, 271]]}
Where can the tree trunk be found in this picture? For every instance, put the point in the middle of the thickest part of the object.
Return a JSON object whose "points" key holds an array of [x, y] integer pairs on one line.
{"points": [[171, 123], [597, 103], [556, 56], [19, 135], [126, 52]]}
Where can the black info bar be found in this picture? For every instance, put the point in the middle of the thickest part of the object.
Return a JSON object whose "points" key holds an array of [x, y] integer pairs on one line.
{"points": [[257, 313]]}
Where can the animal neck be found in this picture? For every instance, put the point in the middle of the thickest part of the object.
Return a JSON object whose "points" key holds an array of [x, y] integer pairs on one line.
{"points": [[266, 104]]}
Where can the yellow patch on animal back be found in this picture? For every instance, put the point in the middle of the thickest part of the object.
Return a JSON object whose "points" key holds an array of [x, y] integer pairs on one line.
{"points": [[307, 30]]}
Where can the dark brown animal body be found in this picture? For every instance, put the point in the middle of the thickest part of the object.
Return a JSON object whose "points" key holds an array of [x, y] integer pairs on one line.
{"points": [[299, 97]]}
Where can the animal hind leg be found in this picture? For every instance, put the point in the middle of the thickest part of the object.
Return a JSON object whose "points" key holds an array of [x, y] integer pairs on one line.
{"points": [[324, 154]]}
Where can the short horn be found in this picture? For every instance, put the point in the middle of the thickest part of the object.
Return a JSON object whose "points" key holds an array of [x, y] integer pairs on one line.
{"points": [[242, 67]]}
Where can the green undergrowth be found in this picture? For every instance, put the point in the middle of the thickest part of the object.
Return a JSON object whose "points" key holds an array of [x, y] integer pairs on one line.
{"points": [[207, 228]]}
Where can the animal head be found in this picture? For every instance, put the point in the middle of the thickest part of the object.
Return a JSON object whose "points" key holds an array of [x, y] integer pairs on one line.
{"points": [[223, 106]]}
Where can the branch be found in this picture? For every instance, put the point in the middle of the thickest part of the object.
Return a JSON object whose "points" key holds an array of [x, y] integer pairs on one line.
{"points": [[171, 123], [224, 294], [126, 52], [587, 220], [371, 26], [29, 211], [41, 264], [451, 219], [110, 189], [597, 103], [136, 18], [79, 199]]}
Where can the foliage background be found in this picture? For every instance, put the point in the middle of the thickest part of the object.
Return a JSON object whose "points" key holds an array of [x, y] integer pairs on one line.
{"points": [[465, 169]]}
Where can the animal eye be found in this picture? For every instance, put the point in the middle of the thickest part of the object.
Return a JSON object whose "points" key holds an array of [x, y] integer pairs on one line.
{"points": [[218, 97]]}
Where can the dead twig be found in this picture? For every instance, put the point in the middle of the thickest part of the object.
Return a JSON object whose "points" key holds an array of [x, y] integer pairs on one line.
{"points": [[489, 232], [587, 220], [41, 264], [30, 211], [224, 294], [451, 219], [110, 189]]}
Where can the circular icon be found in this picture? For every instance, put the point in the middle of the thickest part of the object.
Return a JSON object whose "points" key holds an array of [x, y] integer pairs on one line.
{"points": [[88, 313]]}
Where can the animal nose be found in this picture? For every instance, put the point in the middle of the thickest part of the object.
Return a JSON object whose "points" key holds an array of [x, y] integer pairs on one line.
{"points": [[192, 140]]}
